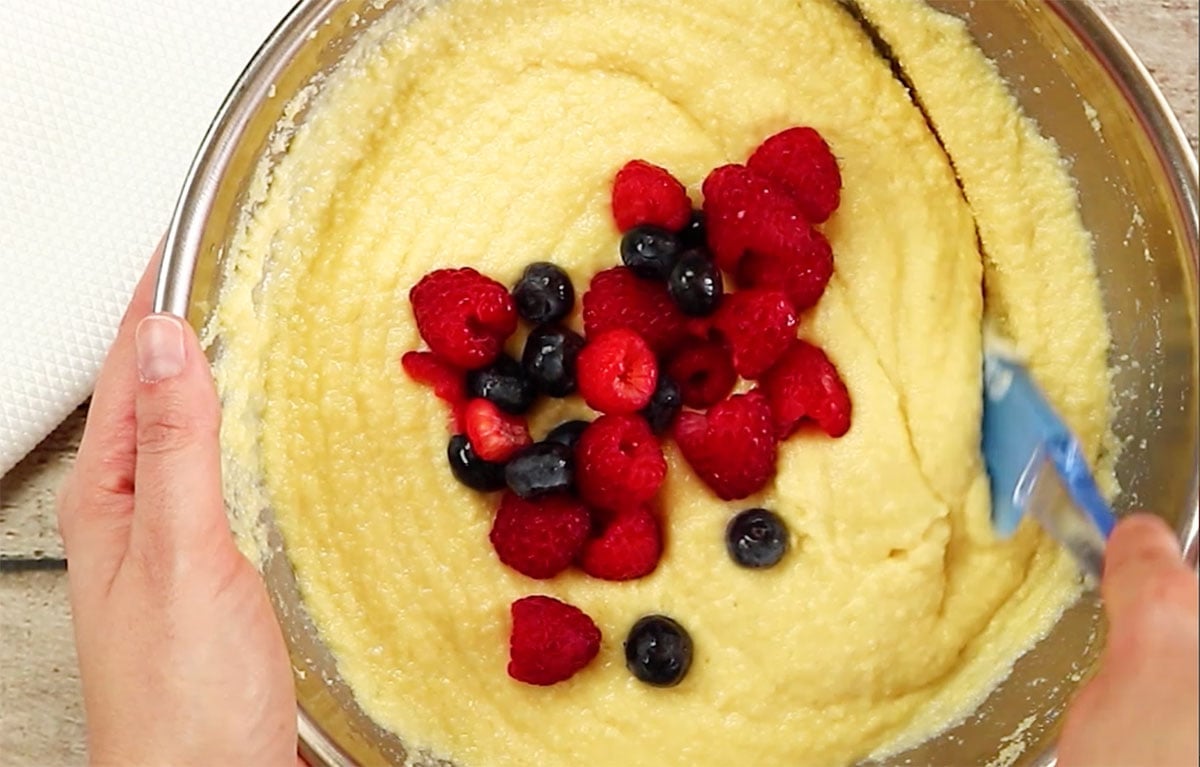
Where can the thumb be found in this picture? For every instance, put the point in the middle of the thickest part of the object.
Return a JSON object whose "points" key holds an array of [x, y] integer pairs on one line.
{"points": [[1143, 565], [177, 480]]}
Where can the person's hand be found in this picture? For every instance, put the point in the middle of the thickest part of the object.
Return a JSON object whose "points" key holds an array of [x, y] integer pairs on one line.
{"points": [[1142, 709], [181, 658]]}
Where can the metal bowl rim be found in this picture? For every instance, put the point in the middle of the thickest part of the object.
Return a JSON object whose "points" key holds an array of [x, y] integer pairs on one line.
{"points": [[181, 249]]}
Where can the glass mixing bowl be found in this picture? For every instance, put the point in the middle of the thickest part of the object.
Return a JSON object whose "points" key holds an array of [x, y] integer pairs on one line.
{"points": [[1071, 72]]}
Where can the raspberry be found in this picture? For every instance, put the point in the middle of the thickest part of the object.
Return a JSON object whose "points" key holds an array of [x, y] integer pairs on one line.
{"points": [[745, 211], [800, 161], [804, 384], [617, 298], [704, 372], [758, 325], [628, 547], [550, 640], [730, 193], [647, 194], [494, 435], [540, 538], [463, 316], [447, 381], [732, 447], [618, 462], [802, 273], [617, 372]]}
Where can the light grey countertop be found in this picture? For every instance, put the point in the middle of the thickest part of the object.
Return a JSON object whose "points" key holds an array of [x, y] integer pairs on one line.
{"points": [[41, 721]]}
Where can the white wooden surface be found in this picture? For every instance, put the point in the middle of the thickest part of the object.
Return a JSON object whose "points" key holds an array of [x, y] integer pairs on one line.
{"points": [[41, 721]]}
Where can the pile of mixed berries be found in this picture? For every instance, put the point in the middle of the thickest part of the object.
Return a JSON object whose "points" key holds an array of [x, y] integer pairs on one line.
{"points": [[666, 342]]}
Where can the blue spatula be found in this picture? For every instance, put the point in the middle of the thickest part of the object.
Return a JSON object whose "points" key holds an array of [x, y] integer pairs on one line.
{"points": [[1036, 464]]}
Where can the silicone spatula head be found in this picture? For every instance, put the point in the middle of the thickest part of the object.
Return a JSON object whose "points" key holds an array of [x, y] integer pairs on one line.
{"points": [[1035, 463]]}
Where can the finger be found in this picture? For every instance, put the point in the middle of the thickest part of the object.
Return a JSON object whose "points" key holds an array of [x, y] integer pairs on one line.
{"points": [[1142, 562], [101, 482], [106, 452], [178, 506]]}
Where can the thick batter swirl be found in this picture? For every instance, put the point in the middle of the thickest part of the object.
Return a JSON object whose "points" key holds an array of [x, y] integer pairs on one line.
{"points": [[487, 134]]}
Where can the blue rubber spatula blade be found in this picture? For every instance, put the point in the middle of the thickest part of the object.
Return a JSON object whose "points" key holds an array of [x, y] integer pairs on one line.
{"points": [[1035, 463]]}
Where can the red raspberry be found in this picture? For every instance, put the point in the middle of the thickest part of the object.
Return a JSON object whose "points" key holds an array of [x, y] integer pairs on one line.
{"points": [[802, 273], [463, 316], [617, 372], [628, 547], [540, 538], [550, 640], [647, 194], [732, 447], [745, 211], [758, 325], [618, 462], [704, 372], [495, 435], [447, 381], [804, 384], [800, 161], [617, 298]]}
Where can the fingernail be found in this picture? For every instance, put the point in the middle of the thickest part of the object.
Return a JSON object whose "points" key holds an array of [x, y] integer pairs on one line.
{"points": [[160, 353]]}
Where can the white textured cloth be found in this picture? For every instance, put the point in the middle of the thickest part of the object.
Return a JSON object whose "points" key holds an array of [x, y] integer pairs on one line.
{"points": [[102, 105]]}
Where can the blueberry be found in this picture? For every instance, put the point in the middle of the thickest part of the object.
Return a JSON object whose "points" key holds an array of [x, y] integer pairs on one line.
{"points": [[694, 234], [664, 404], [540, 469], [549, 359], [544, 293], [695, 284], [567, 433], [504, 384], [650, 252], [658, 651], [756, 538], [470, 469]]}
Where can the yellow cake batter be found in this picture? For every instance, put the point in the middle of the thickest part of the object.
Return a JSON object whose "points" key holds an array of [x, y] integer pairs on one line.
{"points": [[487, 134]]}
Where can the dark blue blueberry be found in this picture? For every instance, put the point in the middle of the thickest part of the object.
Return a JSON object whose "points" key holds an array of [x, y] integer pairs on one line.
{"points": [[650, 252], [756, 538], [694, 235], [664, 404], [544, 293], [504, 384], [549, 359], [470, 469], [540, 469], [695, 284], [567, 433], [658, 651]]}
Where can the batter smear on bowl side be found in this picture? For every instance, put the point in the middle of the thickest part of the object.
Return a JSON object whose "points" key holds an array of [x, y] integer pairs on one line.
{"points": [[862, 604]]}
